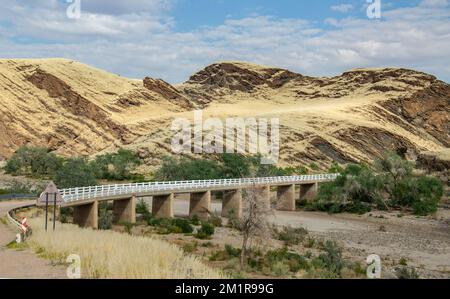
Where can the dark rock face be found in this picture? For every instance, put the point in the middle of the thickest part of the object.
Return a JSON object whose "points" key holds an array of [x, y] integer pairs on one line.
{"points": [[236, 78], [428, 109], [75, 103], [167, 91]]}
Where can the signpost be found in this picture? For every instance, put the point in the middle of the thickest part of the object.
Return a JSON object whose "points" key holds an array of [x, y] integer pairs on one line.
{"points": [[50, 193]]}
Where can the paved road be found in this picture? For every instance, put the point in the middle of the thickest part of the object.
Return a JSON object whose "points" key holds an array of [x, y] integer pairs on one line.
{"points": [[22, 264]]}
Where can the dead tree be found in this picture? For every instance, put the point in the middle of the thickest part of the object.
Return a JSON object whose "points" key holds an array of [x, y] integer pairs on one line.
{"points": [[254, 222]]}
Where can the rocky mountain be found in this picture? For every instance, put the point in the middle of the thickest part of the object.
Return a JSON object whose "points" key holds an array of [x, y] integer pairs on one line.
{"points": [[75, 109]]}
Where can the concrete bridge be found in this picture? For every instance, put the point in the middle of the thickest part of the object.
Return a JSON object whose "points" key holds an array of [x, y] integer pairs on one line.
{"points": [[85, 200]]}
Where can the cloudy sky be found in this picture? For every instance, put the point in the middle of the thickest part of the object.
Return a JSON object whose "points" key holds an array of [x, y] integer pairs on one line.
{"points": [[171, 39]]}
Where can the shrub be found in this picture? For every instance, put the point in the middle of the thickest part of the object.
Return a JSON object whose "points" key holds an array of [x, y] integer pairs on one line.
{"points": [[233, 220], [233, 252], [280, 269], [205, 231], [406, 273], [216, 221], [64, 213], [331, 259], [291, 236], [195, 220], [190, 247], [294, 261], [128, 226], [184, 225], [105, 217], [142, 208]]}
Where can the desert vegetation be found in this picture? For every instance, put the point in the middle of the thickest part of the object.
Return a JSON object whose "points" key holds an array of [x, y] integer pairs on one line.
{"points": [[389, 183], [108, 254], [38, 162]]}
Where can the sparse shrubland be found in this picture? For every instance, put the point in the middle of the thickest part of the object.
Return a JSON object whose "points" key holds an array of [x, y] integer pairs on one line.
{"points": [[108, 254], [285, 263], [389, 183]]}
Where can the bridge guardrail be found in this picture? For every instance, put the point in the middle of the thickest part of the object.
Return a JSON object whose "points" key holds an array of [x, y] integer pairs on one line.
{"points": [[86, 193]]}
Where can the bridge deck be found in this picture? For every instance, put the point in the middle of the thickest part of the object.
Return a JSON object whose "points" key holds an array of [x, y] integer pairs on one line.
{"points": [[82, 195]]}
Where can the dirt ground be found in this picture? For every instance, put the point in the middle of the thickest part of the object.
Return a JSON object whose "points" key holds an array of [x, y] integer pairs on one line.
{"points": [[22, 263]]}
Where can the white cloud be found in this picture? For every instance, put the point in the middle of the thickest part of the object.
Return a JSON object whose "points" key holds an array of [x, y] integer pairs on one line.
{"points": [[434, 3], [145, 43], [342, 7]]}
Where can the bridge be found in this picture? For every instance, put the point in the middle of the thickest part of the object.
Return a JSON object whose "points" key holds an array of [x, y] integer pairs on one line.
{"points": [[85, 200]]}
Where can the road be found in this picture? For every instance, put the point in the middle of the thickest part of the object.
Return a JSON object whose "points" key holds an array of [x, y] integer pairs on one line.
{"points": [[22, 264]]}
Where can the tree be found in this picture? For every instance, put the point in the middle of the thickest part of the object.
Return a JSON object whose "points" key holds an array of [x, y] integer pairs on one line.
{"points": [[184, 169], [75, 172], [254, 221], [35, 161], [394, 169], [116, 166]]}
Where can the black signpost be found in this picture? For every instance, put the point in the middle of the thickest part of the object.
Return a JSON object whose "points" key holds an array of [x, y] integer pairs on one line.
{"points": [[54, 211], [45, 197], [46, 210]]}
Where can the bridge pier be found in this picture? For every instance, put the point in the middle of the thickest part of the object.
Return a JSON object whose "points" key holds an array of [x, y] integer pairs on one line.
{"points": [[86, 215], [162, 206], [232, 201], [308, 192], [286, 198], [124, 210], [200, 205]]}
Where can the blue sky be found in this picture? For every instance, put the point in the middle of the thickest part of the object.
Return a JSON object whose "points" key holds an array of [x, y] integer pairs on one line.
{"points": [[191, 14], [171, 39]]}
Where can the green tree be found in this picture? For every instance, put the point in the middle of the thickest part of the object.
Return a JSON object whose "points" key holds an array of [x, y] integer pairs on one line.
{"points": [[34, 161], [116, 166], [75, 172]]}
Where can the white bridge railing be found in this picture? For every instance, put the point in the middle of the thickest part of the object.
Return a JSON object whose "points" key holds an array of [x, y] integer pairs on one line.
{"points": [[86, 193]]}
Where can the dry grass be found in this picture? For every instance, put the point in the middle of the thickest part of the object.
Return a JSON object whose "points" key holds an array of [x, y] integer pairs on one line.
{"points": [[107, 254]]}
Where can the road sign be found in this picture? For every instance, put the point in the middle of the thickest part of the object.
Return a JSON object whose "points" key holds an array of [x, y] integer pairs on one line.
{"points": [[51, 190]]}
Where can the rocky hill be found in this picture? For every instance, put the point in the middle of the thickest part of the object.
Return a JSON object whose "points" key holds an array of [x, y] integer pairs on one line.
{"points": [[75, 109]]}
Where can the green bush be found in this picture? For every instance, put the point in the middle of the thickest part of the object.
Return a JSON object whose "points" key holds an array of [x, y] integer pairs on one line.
{"points": [[422, 194], [233, 252], [184, 225], [205, 231], [360, 188], [331, 259], [294, 261], [166, 226], [291, 236], [406, 273], [142, 208], [195, 220], [105, 217]]}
